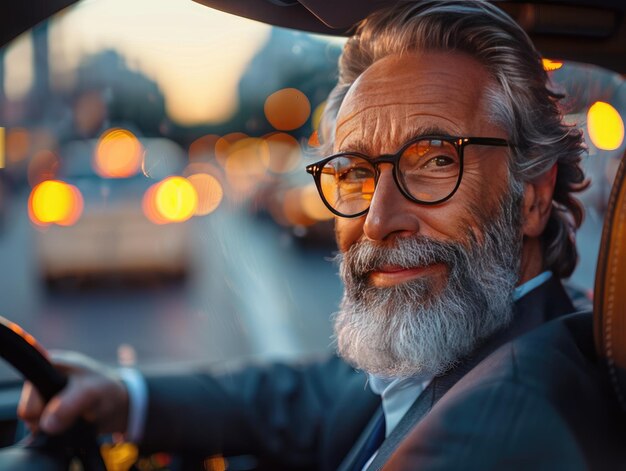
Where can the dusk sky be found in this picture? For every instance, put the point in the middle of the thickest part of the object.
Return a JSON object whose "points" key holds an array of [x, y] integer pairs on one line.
{"points": [[195, 54]]}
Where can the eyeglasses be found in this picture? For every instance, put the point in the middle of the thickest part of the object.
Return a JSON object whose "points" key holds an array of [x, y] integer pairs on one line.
{"points": [[427, 170]]}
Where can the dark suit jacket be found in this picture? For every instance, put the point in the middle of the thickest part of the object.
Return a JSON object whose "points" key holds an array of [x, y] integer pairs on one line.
{"points": [[531, 397]]}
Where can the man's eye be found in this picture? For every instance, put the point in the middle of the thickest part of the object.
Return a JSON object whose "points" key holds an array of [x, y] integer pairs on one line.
{"points": [[439, 161], [355, 174]]}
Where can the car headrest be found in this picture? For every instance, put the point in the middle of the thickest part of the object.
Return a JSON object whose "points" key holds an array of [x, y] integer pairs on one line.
{"points": [[609, 305]]}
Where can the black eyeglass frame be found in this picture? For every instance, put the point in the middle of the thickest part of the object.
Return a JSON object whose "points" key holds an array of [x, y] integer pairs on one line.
{"points": [[459, 143]]}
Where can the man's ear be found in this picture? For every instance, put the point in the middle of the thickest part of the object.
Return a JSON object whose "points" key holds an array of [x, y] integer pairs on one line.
{"points": [[537, 203]]}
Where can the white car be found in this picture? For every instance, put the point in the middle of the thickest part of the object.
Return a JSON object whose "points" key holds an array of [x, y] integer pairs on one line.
{"points": [[113, 236]]}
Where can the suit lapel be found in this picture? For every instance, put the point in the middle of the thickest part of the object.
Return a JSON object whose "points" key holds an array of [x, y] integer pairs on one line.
{"points": [[347, 421], [544, 303], [351, 459], [424, 403]]}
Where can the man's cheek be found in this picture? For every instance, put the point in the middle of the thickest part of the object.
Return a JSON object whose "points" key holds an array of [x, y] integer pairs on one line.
{"points": [[348, 231], [478, 212]]}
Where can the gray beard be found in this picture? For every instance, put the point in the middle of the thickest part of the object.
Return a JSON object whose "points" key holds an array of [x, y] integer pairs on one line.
{"points": [[416, 328]]}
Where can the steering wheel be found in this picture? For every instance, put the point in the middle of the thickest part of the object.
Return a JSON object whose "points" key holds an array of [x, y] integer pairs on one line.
{"points": [[43, 452]]}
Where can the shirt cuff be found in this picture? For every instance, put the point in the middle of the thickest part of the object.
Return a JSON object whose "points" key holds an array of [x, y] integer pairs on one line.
{"points": [[137, 403]]}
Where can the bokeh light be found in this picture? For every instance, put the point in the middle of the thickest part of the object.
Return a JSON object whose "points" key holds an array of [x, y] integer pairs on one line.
{"points": [[18, 144], [550, 65], [215, 463], [246, 165], [149, 206], [284, 152], [224, 143], [203, 167], [175, 199], [317, 115], [314, 139], [2, 148], [120, 456], [605, 126], [55, 202], [119, 154], [209, 191], [43, 166], [287, 109], [312, 204], [203, 148], [293, 210]]}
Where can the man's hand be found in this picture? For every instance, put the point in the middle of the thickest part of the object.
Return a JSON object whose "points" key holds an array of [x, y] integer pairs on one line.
{"points": [[94, 392]]}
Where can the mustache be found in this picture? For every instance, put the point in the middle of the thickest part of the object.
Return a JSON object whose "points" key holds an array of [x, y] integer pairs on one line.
{"points": [[405, 252]]}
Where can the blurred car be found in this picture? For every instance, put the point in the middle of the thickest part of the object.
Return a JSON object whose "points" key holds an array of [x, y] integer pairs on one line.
{"points": [[112, 234]]}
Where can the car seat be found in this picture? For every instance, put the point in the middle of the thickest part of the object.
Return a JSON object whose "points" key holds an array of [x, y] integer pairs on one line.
{"points": [[609, 304]]}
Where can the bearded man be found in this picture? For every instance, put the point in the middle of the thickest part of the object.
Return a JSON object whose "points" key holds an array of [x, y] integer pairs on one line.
{"points": [[452, 176]]}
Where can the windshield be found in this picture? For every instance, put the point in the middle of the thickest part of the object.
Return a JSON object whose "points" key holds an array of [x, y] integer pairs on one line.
{"points": [[154, 206]]}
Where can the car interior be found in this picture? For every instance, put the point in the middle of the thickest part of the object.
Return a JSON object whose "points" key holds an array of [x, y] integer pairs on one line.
{"points": [[589, 31]]}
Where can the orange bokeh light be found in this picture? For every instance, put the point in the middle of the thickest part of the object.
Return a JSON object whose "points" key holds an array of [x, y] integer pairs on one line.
{"points": [[203, 148], [3, 157], [224, 143], [314, 139], [18, 144], [293, 210], [149, 206], [119, 154], [171, 200], [287, 109], [550, 65], [55, 202], [246, 165], [215, 463], [312, 204], [284, 152], [202, 167], [209, 191]]}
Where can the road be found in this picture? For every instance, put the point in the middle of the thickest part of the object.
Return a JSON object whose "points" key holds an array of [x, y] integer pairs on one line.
{"points": [[253, 294]]}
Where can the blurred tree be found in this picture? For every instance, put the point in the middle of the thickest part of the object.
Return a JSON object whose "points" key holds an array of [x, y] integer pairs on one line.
{"points": [[40, 93], [131, 98], [289, 59]]}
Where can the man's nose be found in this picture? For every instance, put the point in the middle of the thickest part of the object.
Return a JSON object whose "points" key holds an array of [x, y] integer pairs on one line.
{"points": [[390, 213]]}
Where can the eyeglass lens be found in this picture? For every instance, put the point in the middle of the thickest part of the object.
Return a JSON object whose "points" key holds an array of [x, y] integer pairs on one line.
{"points": [[428, 170]]}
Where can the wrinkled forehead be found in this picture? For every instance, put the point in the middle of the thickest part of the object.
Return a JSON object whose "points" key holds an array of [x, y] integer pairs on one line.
{"points": [[401, 96]]}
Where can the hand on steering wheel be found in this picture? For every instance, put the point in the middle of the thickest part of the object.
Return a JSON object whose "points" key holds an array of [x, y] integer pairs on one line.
{"points": [[61, 403]]}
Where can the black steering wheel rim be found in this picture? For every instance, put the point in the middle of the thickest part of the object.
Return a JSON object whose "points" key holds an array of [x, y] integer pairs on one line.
{"points": [[21, 350], [42, 452]]}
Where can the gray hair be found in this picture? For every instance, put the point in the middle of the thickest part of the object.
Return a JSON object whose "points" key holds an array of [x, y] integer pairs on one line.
{"points": [[522, 101]]}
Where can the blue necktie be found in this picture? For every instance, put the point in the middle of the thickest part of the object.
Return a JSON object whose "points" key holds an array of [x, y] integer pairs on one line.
{"points": [[372, 444]]}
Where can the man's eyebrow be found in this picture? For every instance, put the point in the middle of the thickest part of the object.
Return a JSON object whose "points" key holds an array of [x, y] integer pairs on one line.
{"points": [[364, 146]]}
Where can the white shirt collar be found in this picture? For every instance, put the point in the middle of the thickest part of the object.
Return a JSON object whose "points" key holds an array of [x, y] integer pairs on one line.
{"points": [[527, 287]]}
